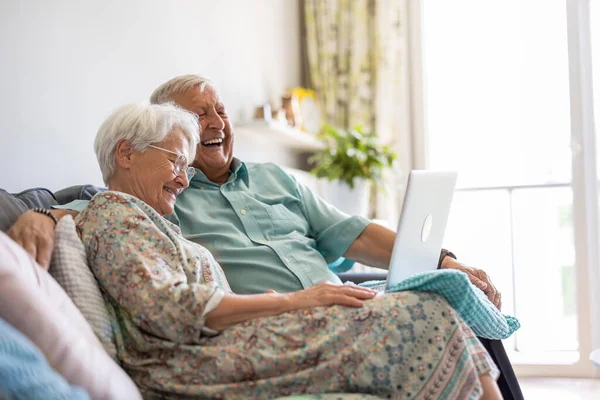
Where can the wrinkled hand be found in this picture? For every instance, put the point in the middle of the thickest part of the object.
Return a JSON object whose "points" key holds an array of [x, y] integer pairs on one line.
{"points": [[35, 233], [478, 278], [329, 294]]}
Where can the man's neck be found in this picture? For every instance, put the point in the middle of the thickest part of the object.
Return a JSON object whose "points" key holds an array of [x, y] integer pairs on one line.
{"points": [[219, 178], [219, 175]]}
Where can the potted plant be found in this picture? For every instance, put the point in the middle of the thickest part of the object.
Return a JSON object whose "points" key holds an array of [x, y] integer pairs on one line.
{"points": [[352, 161]]}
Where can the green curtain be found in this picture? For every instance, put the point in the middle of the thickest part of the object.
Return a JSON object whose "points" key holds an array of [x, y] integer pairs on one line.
{"points": [[351, 45], [355, 58]]}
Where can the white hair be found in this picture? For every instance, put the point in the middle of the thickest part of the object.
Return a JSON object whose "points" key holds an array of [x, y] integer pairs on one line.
{"points": [[179, 84], [143, 125]]}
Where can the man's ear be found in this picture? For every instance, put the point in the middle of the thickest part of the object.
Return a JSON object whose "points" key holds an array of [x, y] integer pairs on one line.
{"points": [[123, 153]]}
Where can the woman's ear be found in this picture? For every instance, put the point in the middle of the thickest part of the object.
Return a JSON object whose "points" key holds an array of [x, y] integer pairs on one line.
{"points": [[123, 153]]}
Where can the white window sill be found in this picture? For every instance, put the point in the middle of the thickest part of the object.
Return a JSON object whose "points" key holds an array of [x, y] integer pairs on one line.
{"points": [[544, 358]]}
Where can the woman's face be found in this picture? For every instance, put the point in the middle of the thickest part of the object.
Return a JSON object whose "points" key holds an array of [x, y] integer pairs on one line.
{"points": [[152, 173]]}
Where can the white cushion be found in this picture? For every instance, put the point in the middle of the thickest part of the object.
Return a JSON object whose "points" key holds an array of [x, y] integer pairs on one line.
{"points": [[70, 269], [32, 302]]}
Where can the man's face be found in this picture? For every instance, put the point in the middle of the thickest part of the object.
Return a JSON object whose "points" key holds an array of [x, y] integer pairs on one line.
{"points": [[215, 151]]}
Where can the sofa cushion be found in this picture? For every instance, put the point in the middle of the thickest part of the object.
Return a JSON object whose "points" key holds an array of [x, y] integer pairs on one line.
{"points": [[70, 269], [13, 205], [80, 192], [32, 302]]}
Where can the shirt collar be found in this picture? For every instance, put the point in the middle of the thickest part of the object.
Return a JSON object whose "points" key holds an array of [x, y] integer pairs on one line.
{"points": [[238, 170]]}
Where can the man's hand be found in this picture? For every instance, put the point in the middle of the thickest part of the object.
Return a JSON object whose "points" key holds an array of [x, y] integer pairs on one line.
{"points": [[374, 247], [478, 278], [35, 233]]}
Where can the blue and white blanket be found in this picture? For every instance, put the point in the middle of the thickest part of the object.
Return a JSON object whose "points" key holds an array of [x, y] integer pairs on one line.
{"points": [[469, 301], [25, 373]]}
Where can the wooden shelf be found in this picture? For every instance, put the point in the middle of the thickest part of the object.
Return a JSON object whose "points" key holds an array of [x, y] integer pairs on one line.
{"points": [[284, 135]]}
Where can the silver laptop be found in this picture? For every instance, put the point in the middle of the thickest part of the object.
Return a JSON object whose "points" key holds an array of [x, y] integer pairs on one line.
{"points": [[422, 224]]}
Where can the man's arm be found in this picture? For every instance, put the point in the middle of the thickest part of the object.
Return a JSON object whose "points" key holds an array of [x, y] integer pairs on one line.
{"points": [[35, 233], [374, 247], [358, 240]]}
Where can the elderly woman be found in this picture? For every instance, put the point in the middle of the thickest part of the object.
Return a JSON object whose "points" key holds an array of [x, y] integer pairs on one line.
{"points": [[181, 330]]}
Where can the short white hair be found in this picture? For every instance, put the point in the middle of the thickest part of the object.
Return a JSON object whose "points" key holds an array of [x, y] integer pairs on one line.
{"points": [[143, 125], [179, 84]]}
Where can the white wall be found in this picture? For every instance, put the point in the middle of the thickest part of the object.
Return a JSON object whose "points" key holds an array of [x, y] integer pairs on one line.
{"points": [[64, 65]]}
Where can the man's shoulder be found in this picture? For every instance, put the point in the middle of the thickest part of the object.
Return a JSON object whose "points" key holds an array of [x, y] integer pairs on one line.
{"points": [[269, 174], [268, 169], [264, 167]]}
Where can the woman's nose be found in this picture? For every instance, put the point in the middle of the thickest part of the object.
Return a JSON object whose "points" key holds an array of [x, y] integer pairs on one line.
{"points": [[182, 179]]}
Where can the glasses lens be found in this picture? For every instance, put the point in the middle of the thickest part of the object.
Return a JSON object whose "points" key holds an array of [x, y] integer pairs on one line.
{"points": [[190, 173], [180, 165]]}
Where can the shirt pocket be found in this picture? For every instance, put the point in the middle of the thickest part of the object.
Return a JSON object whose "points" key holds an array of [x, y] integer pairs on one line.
{"points": [[279, 212], [284, 221]]}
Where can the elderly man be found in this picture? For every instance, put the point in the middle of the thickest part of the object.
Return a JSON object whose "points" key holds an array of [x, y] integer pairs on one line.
{"points": [[267, 231]]}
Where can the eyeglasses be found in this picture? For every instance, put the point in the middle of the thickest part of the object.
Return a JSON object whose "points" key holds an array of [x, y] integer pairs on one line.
{"points": [[180, 164]]}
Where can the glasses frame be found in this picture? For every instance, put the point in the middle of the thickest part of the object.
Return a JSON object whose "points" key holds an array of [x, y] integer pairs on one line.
{"points": [[180, 164]]}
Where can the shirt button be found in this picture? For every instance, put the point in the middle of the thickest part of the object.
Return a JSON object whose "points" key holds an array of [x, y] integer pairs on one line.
{"points": [[285, 260], [243, 212]]}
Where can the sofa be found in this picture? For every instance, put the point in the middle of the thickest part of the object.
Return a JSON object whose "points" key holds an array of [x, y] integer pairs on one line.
{"points": [[84, 356]]}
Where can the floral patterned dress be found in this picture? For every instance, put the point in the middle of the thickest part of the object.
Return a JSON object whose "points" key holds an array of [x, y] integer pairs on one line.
{"points": [[409, 345]]}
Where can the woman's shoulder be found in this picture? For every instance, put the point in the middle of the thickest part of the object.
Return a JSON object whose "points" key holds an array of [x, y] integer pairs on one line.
{"points": [[127, 203], [107, 208], [115, 205], [111, 196]]}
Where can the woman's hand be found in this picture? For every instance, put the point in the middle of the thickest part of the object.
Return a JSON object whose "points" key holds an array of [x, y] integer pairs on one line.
{"points": [[328, 294], [235, 308]]}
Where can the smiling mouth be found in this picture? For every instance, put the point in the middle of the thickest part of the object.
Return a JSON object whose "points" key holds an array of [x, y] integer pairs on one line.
{"points": [[174, 192], [213, 142]]}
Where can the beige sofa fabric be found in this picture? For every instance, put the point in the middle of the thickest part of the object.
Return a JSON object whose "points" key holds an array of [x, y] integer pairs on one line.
{"points": [[70, 269]]}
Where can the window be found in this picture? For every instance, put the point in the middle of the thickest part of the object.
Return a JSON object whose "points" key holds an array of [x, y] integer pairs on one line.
{"points": [[499, 109]]}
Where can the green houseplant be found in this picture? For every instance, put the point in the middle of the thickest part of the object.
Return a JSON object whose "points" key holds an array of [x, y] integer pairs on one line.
{"points": [[356, 161], [351, 154]]}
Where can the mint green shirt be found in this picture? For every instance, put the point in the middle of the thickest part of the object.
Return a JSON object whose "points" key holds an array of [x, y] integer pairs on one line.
{"points": [[266, 230]]}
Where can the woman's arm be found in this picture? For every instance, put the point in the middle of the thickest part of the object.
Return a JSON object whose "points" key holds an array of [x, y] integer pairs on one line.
{"points": [[239, 308], [139, 267]]}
